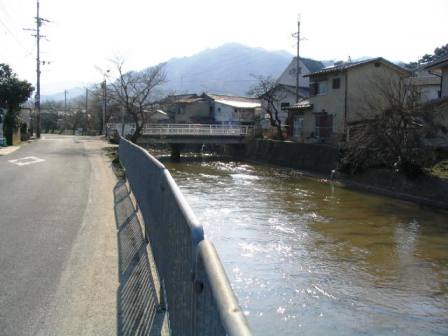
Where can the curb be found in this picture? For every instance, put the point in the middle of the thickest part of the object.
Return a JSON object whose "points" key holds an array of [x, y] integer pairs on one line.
{"points": [[8, 150]]}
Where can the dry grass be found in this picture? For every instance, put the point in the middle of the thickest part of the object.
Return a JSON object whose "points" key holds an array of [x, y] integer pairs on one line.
{"points": [[440, 169], [112, 153]]}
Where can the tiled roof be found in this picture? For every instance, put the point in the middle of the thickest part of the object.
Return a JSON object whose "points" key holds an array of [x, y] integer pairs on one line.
{"points": [[178, 98], [312, 65], [438, 63], [349, 65]]}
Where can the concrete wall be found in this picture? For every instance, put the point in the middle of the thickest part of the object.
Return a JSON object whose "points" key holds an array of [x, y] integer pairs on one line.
{"points": [[14, 139], [427, 190], [368, 87], [320, 159]]}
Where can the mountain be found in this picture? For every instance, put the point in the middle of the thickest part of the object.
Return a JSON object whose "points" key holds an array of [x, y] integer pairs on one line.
{"points": [[71, 93], [229, 69]]}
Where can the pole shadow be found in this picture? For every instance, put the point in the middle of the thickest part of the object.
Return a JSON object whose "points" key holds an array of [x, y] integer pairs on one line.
{"points": [[138, 311]]}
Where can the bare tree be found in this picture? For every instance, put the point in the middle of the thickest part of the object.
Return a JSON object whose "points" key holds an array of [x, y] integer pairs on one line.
{"points": [[266, 90], [134, 92], [391, 129]]}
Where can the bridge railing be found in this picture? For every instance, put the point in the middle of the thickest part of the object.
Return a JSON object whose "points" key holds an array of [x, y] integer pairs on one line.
{"points": [[196, 291], [197, 130]]}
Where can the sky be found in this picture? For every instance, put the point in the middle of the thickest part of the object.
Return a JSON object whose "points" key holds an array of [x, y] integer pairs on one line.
{"points": [[84, 35]]}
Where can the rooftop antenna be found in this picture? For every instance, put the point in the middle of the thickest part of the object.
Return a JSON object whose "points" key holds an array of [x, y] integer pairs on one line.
{"points": [[297, 36]]}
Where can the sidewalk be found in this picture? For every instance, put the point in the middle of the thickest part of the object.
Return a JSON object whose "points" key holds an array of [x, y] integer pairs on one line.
{"points": [[8, 150]]}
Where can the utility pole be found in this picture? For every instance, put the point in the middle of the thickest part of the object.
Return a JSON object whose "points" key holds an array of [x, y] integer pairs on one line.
{"points": [[298, 62], [65, 101], [39, 21], [104, 86], [87, 103]]}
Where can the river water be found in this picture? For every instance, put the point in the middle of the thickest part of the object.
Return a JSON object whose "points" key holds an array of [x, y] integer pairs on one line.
{"points": [[308, 257]]}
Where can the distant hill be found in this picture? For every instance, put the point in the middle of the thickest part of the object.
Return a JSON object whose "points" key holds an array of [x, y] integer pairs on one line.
{"points": [[229, 69], [71, 93]]}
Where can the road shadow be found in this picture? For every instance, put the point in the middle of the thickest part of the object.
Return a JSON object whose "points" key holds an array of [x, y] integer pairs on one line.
{"points": [[138, 311]]}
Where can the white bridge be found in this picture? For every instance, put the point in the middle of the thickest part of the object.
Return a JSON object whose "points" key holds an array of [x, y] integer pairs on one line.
{"points": [[189, 133], [197, 130]]}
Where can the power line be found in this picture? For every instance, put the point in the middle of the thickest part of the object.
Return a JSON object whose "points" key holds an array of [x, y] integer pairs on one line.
{"points": [[19, 43]]}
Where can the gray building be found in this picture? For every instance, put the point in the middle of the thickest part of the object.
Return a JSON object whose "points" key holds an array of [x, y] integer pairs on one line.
{"points": [[440, 67]]}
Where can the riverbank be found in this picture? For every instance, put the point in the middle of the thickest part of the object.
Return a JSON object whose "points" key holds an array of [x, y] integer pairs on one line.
{"points": [[321, 161], [306, 255]]}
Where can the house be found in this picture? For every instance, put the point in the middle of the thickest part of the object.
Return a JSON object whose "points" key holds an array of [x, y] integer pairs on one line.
{"points": [[285, 88], [307, 66], [211, 108], [187, 109], [232, 110], [440, 66], [341, 96], [427, 84]]}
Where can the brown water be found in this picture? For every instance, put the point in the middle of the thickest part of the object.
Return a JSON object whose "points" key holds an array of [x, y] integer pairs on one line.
{"points": [[308, 257]]}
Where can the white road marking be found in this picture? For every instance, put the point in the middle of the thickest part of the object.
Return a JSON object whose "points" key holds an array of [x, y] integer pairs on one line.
{"points": [[26, 161]]}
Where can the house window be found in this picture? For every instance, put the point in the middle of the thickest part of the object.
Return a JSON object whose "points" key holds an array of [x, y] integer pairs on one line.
{"points": [[313, 89], [298, 127], [322, 88], [284, 105], [336, 83]]}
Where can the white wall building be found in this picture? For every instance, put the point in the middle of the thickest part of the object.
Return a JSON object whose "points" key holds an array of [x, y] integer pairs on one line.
{"points": [[285, 90], [233, 110]]}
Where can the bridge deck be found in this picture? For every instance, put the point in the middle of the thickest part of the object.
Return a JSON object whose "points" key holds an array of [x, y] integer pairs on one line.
{"points": [[195, 134]]}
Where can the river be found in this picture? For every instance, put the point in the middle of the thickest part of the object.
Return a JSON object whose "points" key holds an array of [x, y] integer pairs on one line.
{"points": [[308, 257]]}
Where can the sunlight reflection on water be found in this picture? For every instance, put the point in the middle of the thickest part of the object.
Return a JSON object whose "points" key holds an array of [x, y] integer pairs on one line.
{"points": [[309, 257]]}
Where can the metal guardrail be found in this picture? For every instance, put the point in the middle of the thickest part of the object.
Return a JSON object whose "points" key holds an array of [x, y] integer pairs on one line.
{"points": [[196, 291], [197, 130]]}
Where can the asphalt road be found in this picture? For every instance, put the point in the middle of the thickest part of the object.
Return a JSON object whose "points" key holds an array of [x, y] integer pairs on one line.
{"points": [[58, 250]]}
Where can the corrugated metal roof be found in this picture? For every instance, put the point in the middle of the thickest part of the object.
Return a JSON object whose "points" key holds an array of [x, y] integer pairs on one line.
{"points": [[349, 65], [230, 98], [238, 104]]}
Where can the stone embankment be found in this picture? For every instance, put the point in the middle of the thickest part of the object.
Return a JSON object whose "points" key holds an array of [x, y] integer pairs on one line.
{"points": [[322, 160]]}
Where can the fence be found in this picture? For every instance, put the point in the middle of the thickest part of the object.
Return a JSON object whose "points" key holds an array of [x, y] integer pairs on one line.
{"points": [[196, 291], [196, 129]]}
